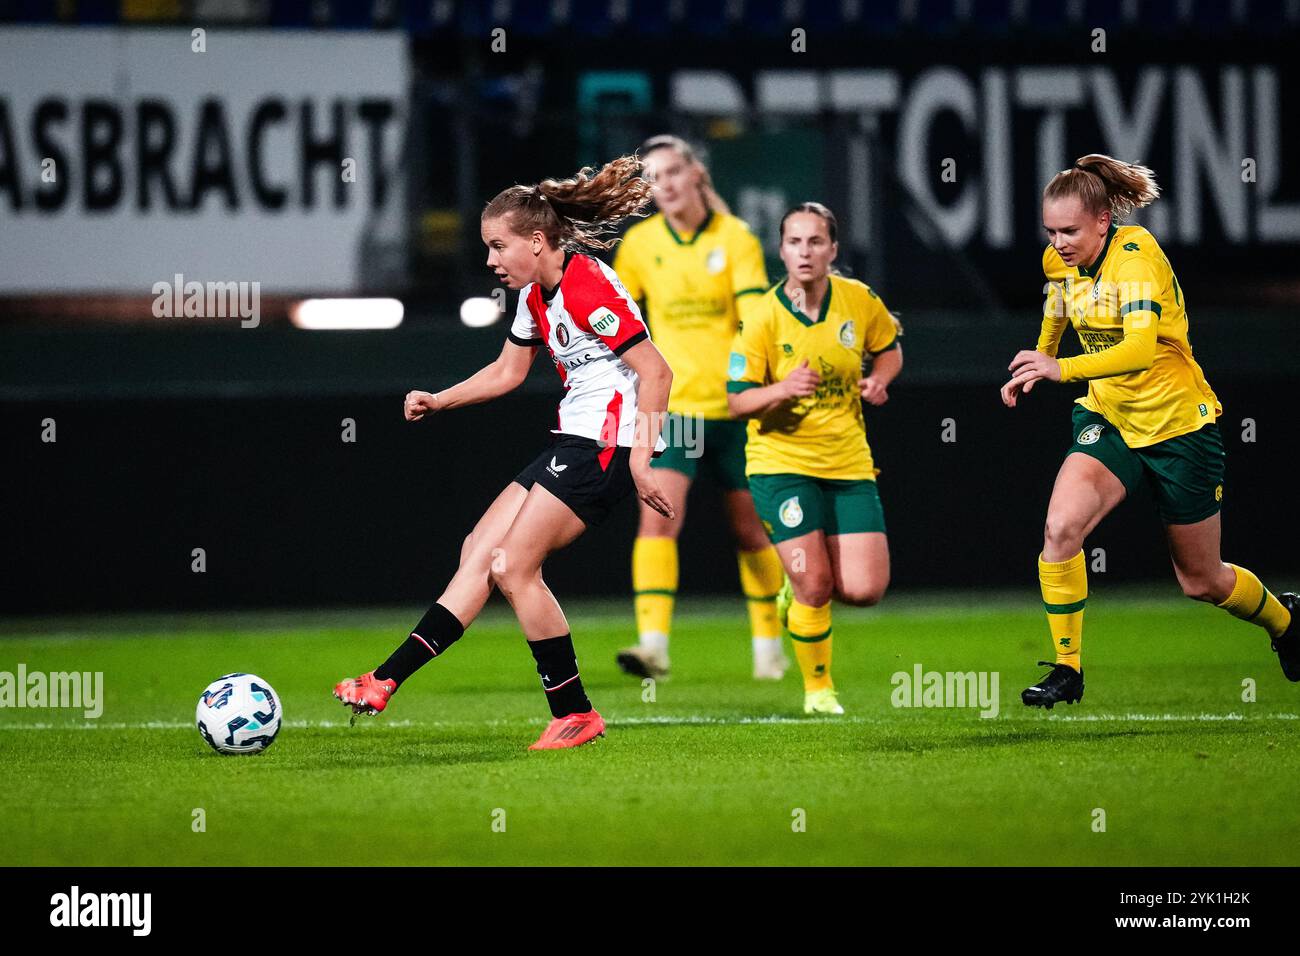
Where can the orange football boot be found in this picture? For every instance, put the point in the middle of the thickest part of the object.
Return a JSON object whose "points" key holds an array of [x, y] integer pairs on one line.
{"points": [[365, 694], [571, 731]]}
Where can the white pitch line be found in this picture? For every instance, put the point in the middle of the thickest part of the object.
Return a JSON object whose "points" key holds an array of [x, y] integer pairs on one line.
{"points": [[181, 725], [700, 720], [1137, 718], [1157, 718]]}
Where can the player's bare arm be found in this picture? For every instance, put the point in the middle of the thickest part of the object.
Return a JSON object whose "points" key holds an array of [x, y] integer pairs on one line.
{"points": [[1027, 368], [503, 375], [656, 380], [756, 402], [884, 369]]}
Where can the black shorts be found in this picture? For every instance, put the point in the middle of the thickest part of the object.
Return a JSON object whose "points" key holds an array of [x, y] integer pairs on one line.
{"points": [[587, 477]]}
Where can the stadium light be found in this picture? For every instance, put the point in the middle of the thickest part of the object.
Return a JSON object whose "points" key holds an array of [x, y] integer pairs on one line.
{"points": [[340, 314], [479, 312]]}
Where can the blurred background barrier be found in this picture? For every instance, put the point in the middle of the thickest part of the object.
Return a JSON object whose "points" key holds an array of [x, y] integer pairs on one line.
{"points": [[176, 178]]}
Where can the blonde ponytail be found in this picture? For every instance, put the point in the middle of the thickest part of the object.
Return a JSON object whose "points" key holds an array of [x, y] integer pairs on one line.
{"points": [[579, 212], [1103, 183]]}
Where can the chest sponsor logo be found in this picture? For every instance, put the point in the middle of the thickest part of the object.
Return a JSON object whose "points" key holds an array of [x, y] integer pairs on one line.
{"points": [[577, 361], [716, 260], [1097, 341], [790, 512], [848, 335], [603, 321], [1089, 435]]}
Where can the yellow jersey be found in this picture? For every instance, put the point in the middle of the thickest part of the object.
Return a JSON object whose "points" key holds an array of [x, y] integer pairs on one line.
{"points": [[1128, 311], [694, 289], [822, 435]]}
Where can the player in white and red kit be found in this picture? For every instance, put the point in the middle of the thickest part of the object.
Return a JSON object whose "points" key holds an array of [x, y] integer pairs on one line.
{"points": [[607, 429]]}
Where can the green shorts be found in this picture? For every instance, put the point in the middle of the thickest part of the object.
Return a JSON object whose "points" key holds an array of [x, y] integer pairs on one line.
{"points": [[717, 443], [794, 505], [1185, 473]]}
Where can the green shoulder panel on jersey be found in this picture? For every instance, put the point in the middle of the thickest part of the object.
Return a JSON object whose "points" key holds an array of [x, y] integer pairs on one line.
{"points": [[1139, 305]]}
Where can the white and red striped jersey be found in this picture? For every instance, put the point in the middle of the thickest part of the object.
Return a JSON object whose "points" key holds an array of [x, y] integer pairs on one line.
{"points": [[586, 324]]}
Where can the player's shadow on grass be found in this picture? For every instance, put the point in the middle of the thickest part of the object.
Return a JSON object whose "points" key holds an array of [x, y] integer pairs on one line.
{"points": [[442, 748], [994, 738]]}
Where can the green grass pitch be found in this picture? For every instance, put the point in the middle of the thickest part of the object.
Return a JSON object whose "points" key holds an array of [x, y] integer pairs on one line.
{"points": [[713, 771]]}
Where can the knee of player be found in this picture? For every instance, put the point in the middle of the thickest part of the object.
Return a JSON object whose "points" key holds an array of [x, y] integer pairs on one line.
{"points": [[1197, 587], [1060, 531], [510, 576], [868, 595], [654, 525], [503, 576], [814, 590]]}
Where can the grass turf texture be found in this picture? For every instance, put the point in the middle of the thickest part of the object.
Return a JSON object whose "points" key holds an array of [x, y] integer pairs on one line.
{"points": [[711, 772]]}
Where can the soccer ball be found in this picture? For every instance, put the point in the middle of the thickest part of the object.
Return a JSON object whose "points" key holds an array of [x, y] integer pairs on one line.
{"points": [[238, 714]]}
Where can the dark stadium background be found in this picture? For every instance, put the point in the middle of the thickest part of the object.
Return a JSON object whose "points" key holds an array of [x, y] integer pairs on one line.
{"points": [[175, 434]]}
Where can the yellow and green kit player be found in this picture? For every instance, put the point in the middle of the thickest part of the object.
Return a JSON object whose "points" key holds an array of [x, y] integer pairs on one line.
{"points": [[696, 269], [796, 371], [1149, 414]]}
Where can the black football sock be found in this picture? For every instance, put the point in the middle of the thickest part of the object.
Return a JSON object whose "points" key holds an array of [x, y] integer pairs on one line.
{"points": [[558, 666], [437, 631]]}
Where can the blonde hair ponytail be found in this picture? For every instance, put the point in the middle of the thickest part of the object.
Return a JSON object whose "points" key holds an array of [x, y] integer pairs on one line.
{"points": [[1103, 183], [579, 212]]}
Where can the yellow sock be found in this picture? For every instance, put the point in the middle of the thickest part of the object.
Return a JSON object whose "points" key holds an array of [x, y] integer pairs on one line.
{"points": [[1065, 592], [810, 629], [654, 582], [1253, 602], [760, 579]]}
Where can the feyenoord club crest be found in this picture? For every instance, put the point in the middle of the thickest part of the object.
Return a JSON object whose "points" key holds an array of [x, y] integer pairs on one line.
{"points": [[562, 334]]}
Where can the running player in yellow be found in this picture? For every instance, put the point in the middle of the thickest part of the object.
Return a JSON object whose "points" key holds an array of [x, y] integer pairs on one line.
{"points": [[797, 373], [697, 270], [1149, 414]]}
